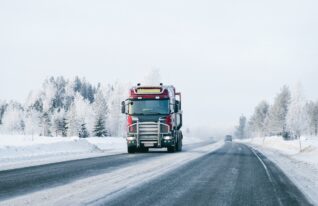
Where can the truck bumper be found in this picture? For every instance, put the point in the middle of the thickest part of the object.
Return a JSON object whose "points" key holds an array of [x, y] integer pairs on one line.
{"points": [[164, 143], [167, 143]]}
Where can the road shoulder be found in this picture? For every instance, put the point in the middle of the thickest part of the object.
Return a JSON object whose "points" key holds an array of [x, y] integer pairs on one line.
{"points": [[302, 174]]}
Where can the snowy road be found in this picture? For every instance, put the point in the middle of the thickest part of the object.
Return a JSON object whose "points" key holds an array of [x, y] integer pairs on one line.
{"points": [[214, 174], [25, 181]]}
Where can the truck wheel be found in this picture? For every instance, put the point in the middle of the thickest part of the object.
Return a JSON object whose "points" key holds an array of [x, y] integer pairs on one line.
{"points": [[131, 150], [179, 146]]}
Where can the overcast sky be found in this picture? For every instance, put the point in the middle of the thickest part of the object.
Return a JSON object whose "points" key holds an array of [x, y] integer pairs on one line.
{"points": [[224, 56]]}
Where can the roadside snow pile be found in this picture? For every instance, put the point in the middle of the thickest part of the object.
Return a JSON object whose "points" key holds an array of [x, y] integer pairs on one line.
{"points": [[300, 166], [26, 147], [21, 151], [308, 153], [111, 145]]}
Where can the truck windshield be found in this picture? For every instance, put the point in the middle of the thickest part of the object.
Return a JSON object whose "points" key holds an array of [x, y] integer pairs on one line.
{"points": [[148, 107]]}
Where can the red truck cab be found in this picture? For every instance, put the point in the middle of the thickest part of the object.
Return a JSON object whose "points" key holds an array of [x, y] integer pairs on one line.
{"points": [[154, 118]]}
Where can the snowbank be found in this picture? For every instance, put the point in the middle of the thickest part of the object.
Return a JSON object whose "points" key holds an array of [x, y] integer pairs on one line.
{"points": [[301, 166], [22, 151]]}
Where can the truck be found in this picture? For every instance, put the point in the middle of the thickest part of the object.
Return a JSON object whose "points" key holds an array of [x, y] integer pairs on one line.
{"points": [[154, 118]]}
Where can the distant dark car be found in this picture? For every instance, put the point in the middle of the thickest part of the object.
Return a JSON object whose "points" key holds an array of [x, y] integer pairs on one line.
{"points": [[228, 138]]}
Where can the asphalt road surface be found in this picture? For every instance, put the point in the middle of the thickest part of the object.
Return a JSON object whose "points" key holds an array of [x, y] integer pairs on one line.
{"points": [[233, 175], [26, 180]]}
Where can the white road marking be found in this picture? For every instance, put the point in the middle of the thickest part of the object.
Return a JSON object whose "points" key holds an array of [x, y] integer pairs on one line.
{"points": [[265, 167], [267, 173]]}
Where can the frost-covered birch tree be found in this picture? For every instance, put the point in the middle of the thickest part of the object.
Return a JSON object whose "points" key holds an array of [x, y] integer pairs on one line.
{"points": [[13, 119], [276, 121], [100, 107], [116, 120], [240, 131], [32, 122], [3, 106], [65, 107], [257, 122], [311, 109], [73, 122], [296, 116], [59, 123]]}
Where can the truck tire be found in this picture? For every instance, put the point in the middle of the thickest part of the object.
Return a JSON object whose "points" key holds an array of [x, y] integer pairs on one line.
{"points": [[179, 145], [131, 150]]}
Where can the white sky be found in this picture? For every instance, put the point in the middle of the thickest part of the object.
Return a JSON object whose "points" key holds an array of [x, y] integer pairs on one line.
{"points": [[224, 56]]}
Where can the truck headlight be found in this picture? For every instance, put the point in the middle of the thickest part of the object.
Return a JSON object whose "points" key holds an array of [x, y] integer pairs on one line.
{"points": [[131, 138]]}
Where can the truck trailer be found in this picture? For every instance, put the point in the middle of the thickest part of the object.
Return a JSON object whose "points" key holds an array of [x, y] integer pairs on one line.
{"points": [[154, 118]]}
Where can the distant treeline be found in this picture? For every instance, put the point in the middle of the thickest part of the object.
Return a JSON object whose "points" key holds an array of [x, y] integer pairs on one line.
{"points": [[66, 107], [289, 116]]}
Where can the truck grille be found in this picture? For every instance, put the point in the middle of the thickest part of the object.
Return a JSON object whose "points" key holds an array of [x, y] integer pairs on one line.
{"points": [[149, 130], [146, 128]]}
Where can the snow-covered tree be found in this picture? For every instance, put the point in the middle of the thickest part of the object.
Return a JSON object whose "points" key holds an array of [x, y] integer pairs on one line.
{"points": [[49, 94], [83, 131], [62, 106], [73, 122], [100, 128], [84, 88], [33, 122], [240, 132], [59, 100], [80, 112], [257, 121], [3, 106], [46, 124], [34, 101], [101, 111], [59, 122], [276, 121], [84, 111], [311, 109], [296, 118], [116, 120], [13, 119]]}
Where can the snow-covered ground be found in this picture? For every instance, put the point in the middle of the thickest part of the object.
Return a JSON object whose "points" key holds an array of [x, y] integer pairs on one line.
{"points": [[301, 166], [21, 151]]}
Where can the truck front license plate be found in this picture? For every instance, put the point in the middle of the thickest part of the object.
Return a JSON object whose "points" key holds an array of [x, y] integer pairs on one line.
{"points": [[148, 144]]}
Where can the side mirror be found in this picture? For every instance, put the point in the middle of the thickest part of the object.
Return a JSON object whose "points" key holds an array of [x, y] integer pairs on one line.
{"points": [[176, 107], [123, 107]]}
